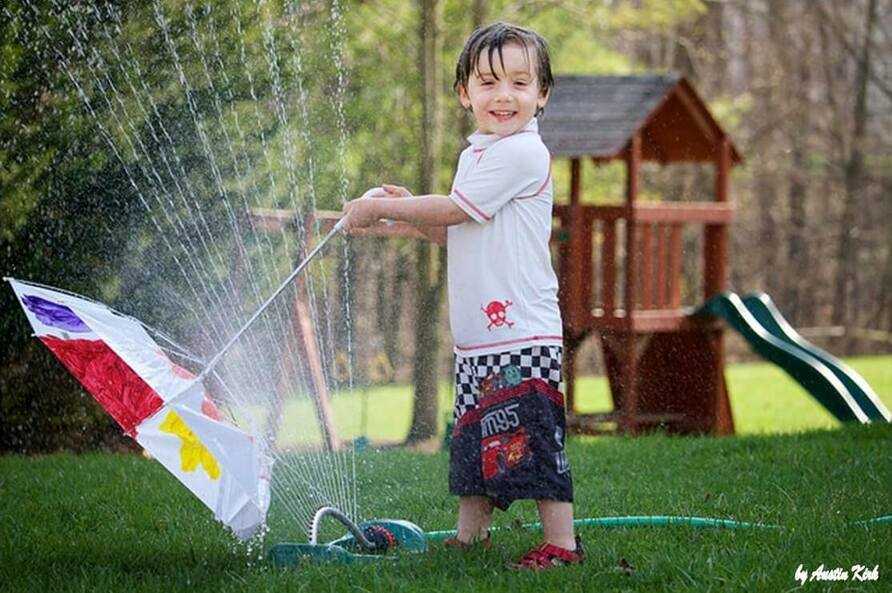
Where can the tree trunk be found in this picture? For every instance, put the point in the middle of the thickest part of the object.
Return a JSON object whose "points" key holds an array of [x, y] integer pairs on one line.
{"points": [[429, 260], [765, 172], [466, 120], [787, 42], [389, 296], [847, 245], [884, 297]]}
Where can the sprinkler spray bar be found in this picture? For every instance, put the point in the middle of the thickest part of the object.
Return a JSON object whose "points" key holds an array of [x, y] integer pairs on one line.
{"points": [[216, 358], [350, 525]]}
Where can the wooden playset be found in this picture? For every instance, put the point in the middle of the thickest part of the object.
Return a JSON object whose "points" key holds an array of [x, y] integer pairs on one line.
{"points": [[665, 367]]}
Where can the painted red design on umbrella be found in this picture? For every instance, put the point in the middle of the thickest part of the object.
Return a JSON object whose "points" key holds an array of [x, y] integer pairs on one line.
{"points": [[109, 380]]}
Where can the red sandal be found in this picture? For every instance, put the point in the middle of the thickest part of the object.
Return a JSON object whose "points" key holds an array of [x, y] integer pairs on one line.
{"points": [[547, 556]]}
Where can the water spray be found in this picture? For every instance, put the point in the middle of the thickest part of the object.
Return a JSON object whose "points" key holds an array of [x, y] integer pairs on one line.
{"points": [[300, 267]]}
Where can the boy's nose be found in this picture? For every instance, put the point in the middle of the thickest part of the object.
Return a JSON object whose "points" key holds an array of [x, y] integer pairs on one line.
{"points": [[504, 95]]}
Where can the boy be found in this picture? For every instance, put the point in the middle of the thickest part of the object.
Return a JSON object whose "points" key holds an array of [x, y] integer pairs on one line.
{"points": [[508, 442]]}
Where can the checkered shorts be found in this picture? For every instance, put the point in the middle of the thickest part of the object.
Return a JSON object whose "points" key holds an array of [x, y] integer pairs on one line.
{"points": [[537, 362]]}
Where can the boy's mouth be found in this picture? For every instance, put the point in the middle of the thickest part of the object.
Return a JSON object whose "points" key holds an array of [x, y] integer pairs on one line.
{"points": [[503, 115]]}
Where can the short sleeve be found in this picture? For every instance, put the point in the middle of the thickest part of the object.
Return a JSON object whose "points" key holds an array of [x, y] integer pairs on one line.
{"points": [[513, 167]]}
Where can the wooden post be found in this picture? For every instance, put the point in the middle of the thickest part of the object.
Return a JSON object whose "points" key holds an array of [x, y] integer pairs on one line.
{"points": [[647, 266], [575, 299], [305, 335], [578, 289], [629, 371], [575, 181], [662, 266], [715, 238], [303, 328], [715, 248], [675, 246], [633, 165], [629, 351], [608, 268]]}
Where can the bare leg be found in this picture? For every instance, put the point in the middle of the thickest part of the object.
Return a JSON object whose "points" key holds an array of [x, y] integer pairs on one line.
{"points": [[557, 523], [474, 517]]}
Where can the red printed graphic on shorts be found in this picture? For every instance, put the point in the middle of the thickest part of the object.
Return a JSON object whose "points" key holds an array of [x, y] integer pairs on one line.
{"points": [[497, 313], [502, 452]]}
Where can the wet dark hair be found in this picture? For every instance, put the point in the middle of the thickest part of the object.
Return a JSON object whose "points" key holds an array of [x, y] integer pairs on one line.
{"points": [[494, 37]]}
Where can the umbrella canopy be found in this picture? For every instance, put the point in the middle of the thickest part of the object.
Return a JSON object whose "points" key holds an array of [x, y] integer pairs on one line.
{"points": [[157, 402]]}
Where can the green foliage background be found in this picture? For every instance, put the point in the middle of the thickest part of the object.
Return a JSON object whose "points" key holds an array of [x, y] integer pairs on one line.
{"points": [[71, 211]]}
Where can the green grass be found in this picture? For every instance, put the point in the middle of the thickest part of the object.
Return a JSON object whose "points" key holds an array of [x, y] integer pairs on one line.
{"points": [[104, 522], [121, 523]]}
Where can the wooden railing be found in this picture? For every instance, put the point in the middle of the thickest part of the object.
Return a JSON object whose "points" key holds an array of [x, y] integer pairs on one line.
{"points": [[616, 259]]}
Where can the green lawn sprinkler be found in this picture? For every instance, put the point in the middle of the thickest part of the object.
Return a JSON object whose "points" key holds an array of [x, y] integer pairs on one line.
{"points": [[371, 541]]}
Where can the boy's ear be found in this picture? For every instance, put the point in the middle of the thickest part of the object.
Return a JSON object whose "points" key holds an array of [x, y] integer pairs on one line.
{"points": [[543, 98], [463, 97]]}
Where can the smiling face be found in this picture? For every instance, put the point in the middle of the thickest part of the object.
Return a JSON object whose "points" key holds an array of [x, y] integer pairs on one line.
{"points": [[503, 99]]}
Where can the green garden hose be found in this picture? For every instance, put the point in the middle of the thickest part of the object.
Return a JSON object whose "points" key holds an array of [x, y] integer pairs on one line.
{"points": [[655, 520]]}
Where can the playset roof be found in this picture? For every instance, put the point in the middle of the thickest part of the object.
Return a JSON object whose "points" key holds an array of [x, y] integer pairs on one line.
{"points": [[596, 116]]}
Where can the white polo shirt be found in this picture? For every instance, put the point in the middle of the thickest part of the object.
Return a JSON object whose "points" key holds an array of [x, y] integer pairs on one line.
{"points": [[502, 288]]}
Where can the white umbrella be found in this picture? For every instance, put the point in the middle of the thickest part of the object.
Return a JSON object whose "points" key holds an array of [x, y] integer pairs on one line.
{"points": [[163, 406]]}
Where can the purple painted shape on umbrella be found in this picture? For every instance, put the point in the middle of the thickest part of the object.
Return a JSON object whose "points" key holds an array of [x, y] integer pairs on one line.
{"points": [[54, 314]]}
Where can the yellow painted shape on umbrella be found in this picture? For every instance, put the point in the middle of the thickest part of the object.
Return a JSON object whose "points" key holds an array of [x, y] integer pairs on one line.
{"points": [[192, 452]]}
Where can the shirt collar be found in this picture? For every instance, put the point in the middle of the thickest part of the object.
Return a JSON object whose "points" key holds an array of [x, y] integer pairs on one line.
{"points": [[480, 140]]}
